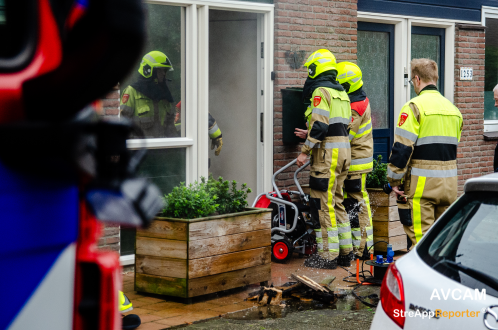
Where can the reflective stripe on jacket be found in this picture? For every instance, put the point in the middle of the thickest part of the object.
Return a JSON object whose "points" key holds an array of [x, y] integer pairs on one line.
{"points": [[214, 130], [426, 138]]}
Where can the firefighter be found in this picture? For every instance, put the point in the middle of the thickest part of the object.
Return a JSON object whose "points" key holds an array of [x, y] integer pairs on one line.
{"points": [[425, 149], [330, 159], [215, 135], [356, 199], [130, 321], [148, 101], [214, 130]]}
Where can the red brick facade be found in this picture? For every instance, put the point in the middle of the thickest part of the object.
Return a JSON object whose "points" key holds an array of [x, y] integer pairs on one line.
{"points": [[475, 156], [306, 25]]}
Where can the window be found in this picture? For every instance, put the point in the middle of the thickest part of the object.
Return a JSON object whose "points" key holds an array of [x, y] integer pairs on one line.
{"points": [[157, 103], [183, 32], [429, 43], [491, 65], [465, 234], [490, 20], [153, 94]]}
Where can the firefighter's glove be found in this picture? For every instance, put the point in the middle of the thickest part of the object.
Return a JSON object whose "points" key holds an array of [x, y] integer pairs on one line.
{"points": [[218, 144]]}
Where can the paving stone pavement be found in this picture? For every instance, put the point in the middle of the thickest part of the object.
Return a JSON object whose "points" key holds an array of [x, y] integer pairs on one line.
{"points": [[160, 312]]}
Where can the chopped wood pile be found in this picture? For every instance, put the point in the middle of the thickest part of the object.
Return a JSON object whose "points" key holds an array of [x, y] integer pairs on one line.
{"points": [[302, 288]]}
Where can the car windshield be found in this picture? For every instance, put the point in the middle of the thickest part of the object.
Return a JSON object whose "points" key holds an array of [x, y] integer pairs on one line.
{"points": [[467, 234]]}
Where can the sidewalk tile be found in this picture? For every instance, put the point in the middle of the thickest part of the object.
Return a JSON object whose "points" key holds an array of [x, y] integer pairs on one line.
{"points": [[149, 318], [153, 326], [189, 318]]}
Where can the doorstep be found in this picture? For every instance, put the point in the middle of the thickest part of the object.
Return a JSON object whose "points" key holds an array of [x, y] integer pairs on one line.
{"points": [[161, 312]]}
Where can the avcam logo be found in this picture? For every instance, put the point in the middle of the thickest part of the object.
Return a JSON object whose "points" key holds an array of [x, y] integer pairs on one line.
{"points": [[457, 294]]}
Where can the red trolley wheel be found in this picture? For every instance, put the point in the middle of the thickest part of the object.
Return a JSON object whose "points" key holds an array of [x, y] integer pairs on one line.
{"points": [[281, 250]]}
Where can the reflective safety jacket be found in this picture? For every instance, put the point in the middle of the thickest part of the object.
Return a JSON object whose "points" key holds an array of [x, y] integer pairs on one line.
{"points": [[330, 116], [156, 118], [214, 130], [426, 138], [360, 135]]}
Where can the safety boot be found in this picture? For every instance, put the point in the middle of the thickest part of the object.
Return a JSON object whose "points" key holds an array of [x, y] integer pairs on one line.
{"points": [[344, 260]]}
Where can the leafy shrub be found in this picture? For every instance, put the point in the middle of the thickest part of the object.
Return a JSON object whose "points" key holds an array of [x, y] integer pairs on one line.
{"points": [[230, 201], [205, 198], [188, 202], [378, 177]]}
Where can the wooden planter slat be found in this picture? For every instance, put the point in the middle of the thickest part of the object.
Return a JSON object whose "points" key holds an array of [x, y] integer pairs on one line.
{"points": [[226, 244], [215, 283], [160, 266], [386, 224], [228, 226], [166, 229], [398, 243], [168, 286], [161, 248], [385, 213], [393, 228], [191, 257], [228, 262]]}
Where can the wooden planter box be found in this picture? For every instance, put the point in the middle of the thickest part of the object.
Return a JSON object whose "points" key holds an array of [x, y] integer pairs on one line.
{"points": [[385, 218], [193, 257]]}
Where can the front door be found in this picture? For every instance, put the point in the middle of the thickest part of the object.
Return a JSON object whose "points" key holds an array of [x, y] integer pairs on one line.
{"points": [[376, 60], [235, 95]]}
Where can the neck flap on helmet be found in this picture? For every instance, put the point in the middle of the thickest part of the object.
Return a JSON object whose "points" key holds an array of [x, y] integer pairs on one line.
{"points": [[325, 79]]}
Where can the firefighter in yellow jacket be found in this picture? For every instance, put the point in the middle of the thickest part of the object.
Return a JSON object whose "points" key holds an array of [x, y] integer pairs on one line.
{"points": [[330, 159], [356, 199], [425, 149], [148, 101]]}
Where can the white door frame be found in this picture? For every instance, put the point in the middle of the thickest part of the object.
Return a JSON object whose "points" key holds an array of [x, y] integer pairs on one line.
{"points": [[402, 51], [196, 91]]}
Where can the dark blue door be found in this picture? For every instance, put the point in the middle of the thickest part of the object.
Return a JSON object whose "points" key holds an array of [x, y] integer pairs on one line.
{"points": [[376, 60]]}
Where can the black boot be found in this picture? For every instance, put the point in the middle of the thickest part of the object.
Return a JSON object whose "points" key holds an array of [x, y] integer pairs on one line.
{"points": [[344, 260], [131, 321]]}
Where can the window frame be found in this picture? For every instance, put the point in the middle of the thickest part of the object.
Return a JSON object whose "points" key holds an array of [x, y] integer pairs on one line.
{"points": [[402, 54], [489, 12], [196, 68]]}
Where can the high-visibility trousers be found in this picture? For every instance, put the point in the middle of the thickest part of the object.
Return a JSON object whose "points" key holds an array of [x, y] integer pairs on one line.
{"points": [[360, 214], [327, 174], [428, 198]]}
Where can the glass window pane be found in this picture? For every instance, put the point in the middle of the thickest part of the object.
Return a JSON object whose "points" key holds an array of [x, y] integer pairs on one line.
{"points": [[426, 46], [151, 94], [491, 65], [166, 168], [373, 59]]}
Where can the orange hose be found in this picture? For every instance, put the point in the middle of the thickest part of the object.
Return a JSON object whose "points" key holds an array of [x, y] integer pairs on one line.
{"points": [[358, 271]]}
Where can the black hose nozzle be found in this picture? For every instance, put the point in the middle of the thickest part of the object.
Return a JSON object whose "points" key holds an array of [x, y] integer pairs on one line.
{"points": [[387, 188]]}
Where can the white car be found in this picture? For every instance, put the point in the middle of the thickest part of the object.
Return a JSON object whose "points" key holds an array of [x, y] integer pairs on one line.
{"points": [[440, 283]]}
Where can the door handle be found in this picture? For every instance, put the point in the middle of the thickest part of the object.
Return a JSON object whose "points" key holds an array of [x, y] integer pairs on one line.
{"points": [[261, 125]]}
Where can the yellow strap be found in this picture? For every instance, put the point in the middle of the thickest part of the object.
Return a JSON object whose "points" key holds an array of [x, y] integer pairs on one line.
{"points": [[330, 192], [417, 212]]}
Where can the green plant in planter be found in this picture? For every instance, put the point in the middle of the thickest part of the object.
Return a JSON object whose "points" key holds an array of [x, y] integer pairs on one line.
{"points": [[188, 202], [229, 201], [205, 198], [378, 177]]}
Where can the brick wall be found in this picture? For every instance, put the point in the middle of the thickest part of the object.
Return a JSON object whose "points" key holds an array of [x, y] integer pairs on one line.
{"points": [[110, 233], [301, 27], [475, 156]]}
